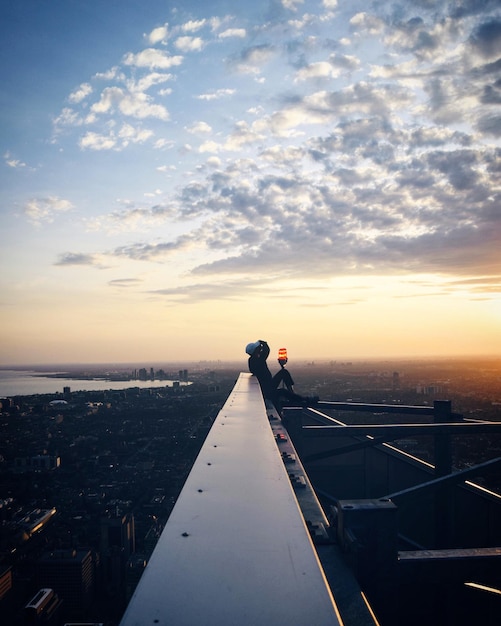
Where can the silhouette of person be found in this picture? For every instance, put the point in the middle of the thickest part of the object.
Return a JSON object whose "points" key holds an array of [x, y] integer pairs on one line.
{"points": [[258, 352]]}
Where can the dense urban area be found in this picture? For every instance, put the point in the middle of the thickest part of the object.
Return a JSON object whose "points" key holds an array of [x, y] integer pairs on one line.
{"points": [[88, 478]]}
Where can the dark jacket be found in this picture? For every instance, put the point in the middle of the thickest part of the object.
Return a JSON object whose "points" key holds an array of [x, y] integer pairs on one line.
{"points": [[259, 367]]}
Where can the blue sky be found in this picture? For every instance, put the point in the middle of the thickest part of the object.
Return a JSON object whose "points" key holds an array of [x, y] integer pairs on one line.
{"points": [[178, 179]]}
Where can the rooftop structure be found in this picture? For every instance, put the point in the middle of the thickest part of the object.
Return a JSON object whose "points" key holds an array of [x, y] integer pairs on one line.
{"points": [[310, 520], [236, 548]]}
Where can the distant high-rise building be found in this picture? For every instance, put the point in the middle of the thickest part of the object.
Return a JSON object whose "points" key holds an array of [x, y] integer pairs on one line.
{"points": [[118, 542], [70, 573]]}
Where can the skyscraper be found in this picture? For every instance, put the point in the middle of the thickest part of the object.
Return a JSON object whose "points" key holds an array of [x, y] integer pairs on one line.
{"points": [[117, 544], [70, 573]]}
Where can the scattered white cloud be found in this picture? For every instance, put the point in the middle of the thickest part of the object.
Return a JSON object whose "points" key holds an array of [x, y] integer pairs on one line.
{"points": [[365, 23], [45, 210], [80, 94], [68, 117], [214, 161], [292, 5], [118, 140], [12, 162], [148, 81], [319, 69], [95, 141], [199, 128], [163, 143], [134, 104], [189, 44], [111, 74], [152, 58], [233, 32], [135, 135], [216, 95], [252, 60], [371, 141], [193, 26], [158, 35]]}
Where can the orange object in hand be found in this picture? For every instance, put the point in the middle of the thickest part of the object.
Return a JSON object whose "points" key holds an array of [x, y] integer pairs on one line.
{"points": [[282, 355]]}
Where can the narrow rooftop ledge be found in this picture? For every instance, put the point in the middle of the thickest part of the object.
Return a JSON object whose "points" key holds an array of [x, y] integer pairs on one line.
{"points": [[235, 549]]}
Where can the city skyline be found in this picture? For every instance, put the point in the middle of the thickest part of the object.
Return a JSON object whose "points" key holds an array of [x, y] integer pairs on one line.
{"points": [[179, 179]]}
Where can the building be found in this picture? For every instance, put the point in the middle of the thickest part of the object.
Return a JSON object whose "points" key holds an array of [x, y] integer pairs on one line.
{"points": [[71, 574], [118, 543], [5, 580], [43, 608]]}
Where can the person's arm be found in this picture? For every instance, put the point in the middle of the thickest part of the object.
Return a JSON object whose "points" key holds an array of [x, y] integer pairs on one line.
{"points": [[264, 350]]}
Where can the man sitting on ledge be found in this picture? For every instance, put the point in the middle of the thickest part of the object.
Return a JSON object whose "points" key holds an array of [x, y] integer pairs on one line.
{"points": [[258, 352]]}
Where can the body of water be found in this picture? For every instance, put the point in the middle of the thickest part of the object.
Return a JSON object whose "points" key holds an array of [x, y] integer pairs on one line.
{"points": [[27, 383]]}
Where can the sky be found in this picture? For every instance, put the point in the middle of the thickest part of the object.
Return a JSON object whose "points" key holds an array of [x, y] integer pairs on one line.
{"points": [[181, 178]]}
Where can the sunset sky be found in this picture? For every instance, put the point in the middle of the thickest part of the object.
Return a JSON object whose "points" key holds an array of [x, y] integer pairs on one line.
{"points": [[181, 178]]}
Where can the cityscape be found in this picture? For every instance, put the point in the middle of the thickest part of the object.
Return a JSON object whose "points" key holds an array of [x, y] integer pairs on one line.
{"points": [[88, 478], [178, 179]]}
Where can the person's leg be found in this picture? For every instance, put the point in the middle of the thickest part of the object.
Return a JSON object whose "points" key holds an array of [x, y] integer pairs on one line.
{"points": [[283, 376]]}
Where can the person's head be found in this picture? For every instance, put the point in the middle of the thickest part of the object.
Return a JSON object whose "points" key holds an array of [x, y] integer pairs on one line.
{"points": [[250, 348]]}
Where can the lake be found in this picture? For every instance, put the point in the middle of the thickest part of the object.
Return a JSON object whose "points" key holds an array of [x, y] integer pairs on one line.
{"points": [[30, 382]]}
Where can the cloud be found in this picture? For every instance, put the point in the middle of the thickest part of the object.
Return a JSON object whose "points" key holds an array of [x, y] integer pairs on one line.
{"points": [[125, 282], [135, 104], [216, 95], [77, 258], [292, 5], [199, 128], [115, 140], [242, 135], [252, 60], [80, 94], [96, 141], [152, 58], [368, 145], [158, 34], [489, 125], [148, 81], [214, 161], [134, 219], [233, 32], [487, 38], [189, 44], [68, 117], [367, 23], [12, 162], [45, 210], [128, 134], [320, 69], [193, 25]]}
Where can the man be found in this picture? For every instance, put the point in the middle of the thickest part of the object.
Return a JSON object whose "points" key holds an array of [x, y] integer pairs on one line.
{"points": [[258, 352]]}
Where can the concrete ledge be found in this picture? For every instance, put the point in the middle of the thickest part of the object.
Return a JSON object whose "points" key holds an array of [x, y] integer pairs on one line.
{"points": [[235, 549]]}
